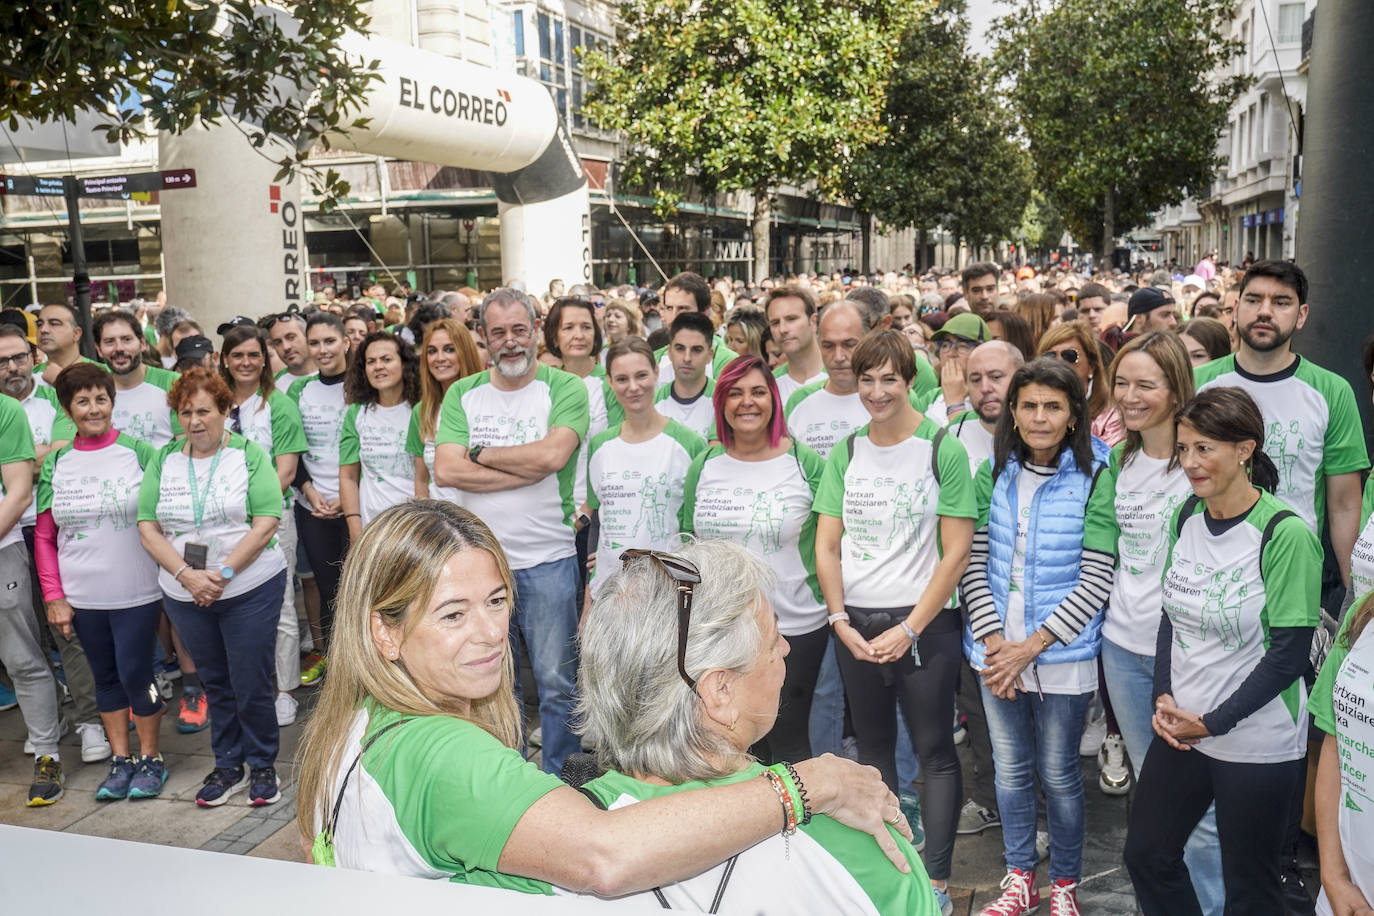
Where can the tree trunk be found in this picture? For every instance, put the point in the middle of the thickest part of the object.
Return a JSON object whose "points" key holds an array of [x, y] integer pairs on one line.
{"points": [[866, 241], [762, 231], [1108, 228], [920, 262]]}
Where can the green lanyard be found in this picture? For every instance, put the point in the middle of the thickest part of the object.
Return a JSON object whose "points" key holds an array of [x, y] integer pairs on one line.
{"points": [[199, 497]]}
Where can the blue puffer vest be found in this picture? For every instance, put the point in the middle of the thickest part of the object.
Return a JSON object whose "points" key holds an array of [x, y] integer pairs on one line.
{"points": [[1054, 552]]}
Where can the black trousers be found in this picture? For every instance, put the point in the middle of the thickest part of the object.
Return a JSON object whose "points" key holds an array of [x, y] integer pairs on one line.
{"points": [[927, 694], [325, 541], [1174, 791], [790, 739]]}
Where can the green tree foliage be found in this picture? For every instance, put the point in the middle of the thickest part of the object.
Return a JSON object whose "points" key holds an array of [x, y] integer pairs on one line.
{"points": [[1122, 102], [169, 64], [745, 94], [1042, 226]]}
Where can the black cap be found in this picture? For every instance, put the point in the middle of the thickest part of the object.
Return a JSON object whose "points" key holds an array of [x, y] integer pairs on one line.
{"points": [[238, 321], [194, 347], [1146, 300]]}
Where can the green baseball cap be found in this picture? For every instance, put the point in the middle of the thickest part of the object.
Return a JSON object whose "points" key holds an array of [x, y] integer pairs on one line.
{"points": [[966, 325]]}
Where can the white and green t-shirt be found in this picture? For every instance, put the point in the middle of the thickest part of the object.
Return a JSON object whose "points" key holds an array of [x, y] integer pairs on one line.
{"points": [[42, 409], [321, 405], [534, 522], [419, 447], [1223, 592], [1362, 558], [93, 495], [284, 379], [824, 867], [597, 422], [1312, 427], [765, 507], [890, 502], [976, 440], [142, 411], [819, 419], [39, 369], [374, 438], [788, 386], [243, 486], [1342, 705], [698, 414], [1147, 494], [636, 490], [16, 444], [435, 797]]}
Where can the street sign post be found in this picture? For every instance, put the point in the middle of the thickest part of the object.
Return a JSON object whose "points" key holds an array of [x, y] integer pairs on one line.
{"points": [[105, 187]]}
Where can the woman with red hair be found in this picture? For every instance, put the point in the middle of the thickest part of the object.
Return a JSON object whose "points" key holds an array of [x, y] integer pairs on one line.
{"points": [[756, 488]]}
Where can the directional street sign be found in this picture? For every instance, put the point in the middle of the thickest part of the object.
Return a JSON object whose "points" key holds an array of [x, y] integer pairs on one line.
{"points": [[112, 187]]}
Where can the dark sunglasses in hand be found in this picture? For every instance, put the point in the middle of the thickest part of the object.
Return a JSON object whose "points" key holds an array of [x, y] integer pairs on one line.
{"points": [[685, 577]]}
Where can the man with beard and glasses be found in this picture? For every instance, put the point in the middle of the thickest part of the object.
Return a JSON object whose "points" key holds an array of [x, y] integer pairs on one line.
{"points": [[140, 391], [508, 438], [1312, 433]]}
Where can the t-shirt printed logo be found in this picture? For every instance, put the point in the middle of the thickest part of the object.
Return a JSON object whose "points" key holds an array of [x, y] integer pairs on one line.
{"points": [[321, 425], [1223, 594], [138, 425], [503, 429], [882, 513], [653, 511], [765, 523], [1282, 445]]}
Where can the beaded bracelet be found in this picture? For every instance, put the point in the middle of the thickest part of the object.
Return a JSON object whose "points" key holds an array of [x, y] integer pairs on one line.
{"points": [[789, 811], [910, 633], [801, 791], [787, 776], [835, 618]]}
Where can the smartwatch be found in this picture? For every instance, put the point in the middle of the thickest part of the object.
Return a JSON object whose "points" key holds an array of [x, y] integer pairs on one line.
{"points": [[474, 453], [226, 573]]}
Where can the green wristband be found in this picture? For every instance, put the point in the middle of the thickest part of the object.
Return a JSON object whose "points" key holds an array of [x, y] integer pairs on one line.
{"points": [[783, 773]]}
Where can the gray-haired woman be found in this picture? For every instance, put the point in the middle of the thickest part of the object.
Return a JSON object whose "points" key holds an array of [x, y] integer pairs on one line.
{"points": [[675, 688]]}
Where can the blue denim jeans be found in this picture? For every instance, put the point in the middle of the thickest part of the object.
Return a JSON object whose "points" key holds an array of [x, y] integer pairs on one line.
{"points": [[546, 616], [1130, 681], [826, 725], [1033, 736], [234, 642]]}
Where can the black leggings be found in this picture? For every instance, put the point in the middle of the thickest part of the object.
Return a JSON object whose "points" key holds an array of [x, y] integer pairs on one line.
{"points": [[1174, 791], [927, 705], [790, 739], [325, 541]]}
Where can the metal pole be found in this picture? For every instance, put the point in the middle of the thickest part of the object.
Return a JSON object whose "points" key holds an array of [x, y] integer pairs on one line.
{"points": [[80, 277], [33, 282]]}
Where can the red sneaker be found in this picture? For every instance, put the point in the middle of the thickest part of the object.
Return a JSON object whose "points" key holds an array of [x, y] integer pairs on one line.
{"points": [[1019, 895], [1064, 898], [195, 712]]}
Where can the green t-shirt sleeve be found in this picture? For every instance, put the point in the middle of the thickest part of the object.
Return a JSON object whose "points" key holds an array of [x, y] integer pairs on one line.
{"points": [[264, 487], [151, 490], [1320, 703], [63, 428], [1367, 502], [813, 465], [45, 473], [686, 515], [570, 407], [982, 492], [1343, 451], [956, 483], [1107, 483], [288, 431], [600, 439], [1099, 520], [689, 440], [1291, 568], [830, 494], [144, 449], [453, 419], [16, 438], [414, 444], [926, 379], [348, 437]]}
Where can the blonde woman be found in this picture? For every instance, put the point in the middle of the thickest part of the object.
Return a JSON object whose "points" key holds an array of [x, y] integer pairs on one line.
{"points": [[409, 763], [448, 354]]}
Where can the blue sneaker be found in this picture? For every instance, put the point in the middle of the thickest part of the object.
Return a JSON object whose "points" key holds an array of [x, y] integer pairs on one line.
{"points": [[219, 785], [942, 900], [7, 698], [149, 775], [911, 806], [116, 785], [264, 790]]}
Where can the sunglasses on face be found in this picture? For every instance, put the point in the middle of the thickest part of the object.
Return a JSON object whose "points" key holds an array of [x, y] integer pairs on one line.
{"points": [[685, 577], [1068, 355]]}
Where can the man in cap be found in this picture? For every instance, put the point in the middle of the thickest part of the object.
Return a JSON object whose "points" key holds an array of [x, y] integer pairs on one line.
{"points": [[1151, 309]]}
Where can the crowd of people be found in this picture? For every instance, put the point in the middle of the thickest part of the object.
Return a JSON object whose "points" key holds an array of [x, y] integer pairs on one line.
{"points": [[780, 546]]}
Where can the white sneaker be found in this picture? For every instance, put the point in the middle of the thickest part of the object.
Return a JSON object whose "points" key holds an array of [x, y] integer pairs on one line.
{"points": [[1093, 736], [1113, 778], [286, 709], [94, 746], [63, 726]]}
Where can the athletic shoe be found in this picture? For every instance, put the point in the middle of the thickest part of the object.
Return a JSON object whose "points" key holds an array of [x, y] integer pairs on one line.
{"points": [[1064, 898], [94, 746], [286, 709], [1093, 735], [910, 804], [1042, 845], [169, 668], [8, 699], [942, 900], [63, 726], [974, 818], [150, 774], [116, 785], [166, 687], [312, 669], [195, 712], [219, 785], [1019, 895], [263, 789], [1114, 777], [960, 731], [47, 782]]}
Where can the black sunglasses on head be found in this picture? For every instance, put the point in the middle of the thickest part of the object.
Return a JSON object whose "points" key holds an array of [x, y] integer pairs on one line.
{"points": [[685, 577]]}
